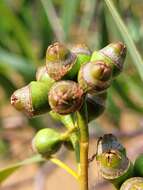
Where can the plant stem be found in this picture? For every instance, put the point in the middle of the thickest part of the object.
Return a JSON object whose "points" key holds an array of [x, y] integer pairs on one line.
{"points": [[67, 134], [65, 167], [84, 141], [68, 122]]}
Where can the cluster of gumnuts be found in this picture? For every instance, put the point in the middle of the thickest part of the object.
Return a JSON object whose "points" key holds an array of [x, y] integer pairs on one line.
{"points": [[70, 78]]}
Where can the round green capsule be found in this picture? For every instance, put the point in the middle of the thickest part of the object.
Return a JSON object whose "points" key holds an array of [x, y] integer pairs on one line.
{"points": [[138, 166], [47, 142]]}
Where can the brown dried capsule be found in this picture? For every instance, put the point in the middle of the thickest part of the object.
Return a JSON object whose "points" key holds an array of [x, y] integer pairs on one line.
{"points": [[59, 60], [94, 77], [65, 97]]}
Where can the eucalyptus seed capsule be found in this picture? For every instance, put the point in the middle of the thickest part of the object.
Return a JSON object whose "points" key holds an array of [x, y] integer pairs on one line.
{"points": [[59, 60], [47, 142], [135, 183], [83, 55], [95, 105], [94, 77], [42, 75], [65, 97], [138, 166], [32, 99], [113, 54], [108, 142], [112, 160]]}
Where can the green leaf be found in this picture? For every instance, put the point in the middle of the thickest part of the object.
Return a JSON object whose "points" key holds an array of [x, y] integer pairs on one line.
{"points": [[17, 63], [113, 110], [20, 32], [53, 19], [69, 10], [135, 55], [122, 89], [7, 85], [6, 172]]}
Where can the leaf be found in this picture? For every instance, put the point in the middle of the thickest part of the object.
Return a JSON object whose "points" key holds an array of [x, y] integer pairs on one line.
{"points": [[53, 19], [6, 172], [69, 10], [19, 30], [135, 55], [113, 110], [122, 89], [7, 85], [17, 63]]}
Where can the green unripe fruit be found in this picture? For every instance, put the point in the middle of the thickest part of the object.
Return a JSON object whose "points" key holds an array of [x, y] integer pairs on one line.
{"points": [[113, 54], [138, 166], [113, 163], [83, 55], [42, 75], [59, 61], [135, 183], [47, 142], [95, 105], [32, 99], [94, 77], [65, 97]]}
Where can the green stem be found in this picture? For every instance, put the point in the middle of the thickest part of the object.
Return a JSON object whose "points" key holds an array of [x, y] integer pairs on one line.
{"points": [[67, 134], [84, 141]]}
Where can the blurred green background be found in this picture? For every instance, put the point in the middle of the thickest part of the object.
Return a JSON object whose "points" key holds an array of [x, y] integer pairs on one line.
{"points": [[28, 27]]}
